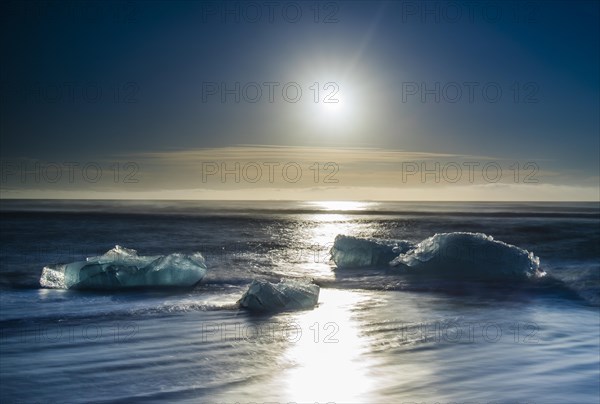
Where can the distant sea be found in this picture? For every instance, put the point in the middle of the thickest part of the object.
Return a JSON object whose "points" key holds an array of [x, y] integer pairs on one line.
{"points": [[376, 336]]}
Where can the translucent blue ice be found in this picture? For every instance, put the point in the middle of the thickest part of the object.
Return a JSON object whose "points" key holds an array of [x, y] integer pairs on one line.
{"points": [[456, 255], [470, 255], [122, 268], [353, 252], [285, 295]]}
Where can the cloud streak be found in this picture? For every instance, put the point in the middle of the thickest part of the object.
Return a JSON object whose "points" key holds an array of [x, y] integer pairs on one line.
{"points": [[294, 172]]}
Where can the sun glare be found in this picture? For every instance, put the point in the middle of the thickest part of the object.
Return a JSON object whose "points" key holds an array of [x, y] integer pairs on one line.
{"points": [[332, 101], [341, 205], [333, 112]]}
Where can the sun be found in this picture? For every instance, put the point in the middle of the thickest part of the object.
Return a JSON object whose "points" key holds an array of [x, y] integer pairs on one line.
{"points": [[333, 111], [332, 107], [339, 94]]}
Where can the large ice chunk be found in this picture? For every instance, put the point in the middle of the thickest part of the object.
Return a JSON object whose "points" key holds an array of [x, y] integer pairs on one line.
{"points": [[285, 295], [469, 255], [123, 268], [352, 252]]}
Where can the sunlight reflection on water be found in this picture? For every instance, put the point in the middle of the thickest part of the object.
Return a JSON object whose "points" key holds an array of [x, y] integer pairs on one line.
{"points": [[342, 205], [328, 361]]}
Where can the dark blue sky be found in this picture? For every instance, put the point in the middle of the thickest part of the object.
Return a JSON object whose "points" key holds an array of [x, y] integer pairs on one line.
{"points": [[154, 62]]}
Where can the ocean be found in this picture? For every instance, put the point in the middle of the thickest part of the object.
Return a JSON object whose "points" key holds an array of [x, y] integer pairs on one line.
{"points": [[376, 335]]}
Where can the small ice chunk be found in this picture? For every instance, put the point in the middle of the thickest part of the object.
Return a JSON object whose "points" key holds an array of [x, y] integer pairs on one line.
{"points": [[122, 268], [53, 277], [285, 295], [469, 255], [353, 252]]}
